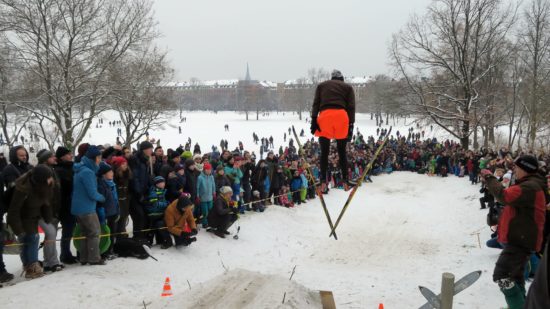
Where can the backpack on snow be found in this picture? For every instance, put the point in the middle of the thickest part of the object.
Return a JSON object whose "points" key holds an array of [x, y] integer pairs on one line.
{"points": [[130, 247]]}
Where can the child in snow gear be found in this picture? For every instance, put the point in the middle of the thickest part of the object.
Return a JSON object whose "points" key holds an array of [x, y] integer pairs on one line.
{"points": [[206, 192], [108, 211], [155, 211], [333, 117]]}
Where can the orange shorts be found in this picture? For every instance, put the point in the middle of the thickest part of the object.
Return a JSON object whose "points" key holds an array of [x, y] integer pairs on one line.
{"points": [[334, 124]]}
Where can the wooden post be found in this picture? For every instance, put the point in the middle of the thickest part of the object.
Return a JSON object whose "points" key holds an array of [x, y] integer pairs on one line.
{"points": [[447, 290]]}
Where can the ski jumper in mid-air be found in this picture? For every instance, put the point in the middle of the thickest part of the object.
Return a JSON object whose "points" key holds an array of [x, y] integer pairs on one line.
{"points": [[332, 117]]}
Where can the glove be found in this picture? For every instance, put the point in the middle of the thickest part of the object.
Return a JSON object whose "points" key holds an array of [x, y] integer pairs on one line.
{"points": [[194, 232], [350, 132], [197, 200], [314, 126], [101, 215], [20, 237]]}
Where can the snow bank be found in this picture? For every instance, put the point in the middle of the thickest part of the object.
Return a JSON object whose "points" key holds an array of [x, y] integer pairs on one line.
{"points": [[245, 289]]}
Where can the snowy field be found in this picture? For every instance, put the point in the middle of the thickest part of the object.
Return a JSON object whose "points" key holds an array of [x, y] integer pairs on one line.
{"points": [[401, 231]]}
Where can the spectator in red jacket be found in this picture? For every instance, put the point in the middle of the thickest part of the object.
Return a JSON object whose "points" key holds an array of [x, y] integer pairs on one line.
{"points": [[520, 225]]}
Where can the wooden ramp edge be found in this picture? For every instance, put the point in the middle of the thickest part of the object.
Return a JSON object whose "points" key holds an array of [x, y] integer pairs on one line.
{"points": [[327, 300]]}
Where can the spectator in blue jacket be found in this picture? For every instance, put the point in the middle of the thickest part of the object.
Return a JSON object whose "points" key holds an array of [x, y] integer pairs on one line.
{"points": [[83, 205], [206, 192], [108, 212], [295, 187]]}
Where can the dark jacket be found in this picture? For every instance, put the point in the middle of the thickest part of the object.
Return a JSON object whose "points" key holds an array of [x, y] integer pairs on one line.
{"points": [[16, 168], [334, 94], [221, 180], [259, 175], [142, 179], [122, 187], [27, 207], [108, 190], [522, 220], [278, 180], [539, 291], [64, 172], [191, 182], [219, 211]]}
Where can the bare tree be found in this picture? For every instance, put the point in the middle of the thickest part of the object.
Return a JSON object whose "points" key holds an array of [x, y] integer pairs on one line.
{"points": [[139, 96], [69, 45], [441, 57], [12, 118], [535, 40]]}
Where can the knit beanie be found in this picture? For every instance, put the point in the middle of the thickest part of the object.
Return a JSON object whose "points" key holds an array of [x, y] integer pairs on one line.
{"points": [[219, 167], [92, 152], [226, 189], [187, 155], [61, 151], [41, 173], [82, 149], [207, 166], [158, 180], [183, 202], [528, 163], [104, 168], [43, 156], [118, 161], [145, 145]]}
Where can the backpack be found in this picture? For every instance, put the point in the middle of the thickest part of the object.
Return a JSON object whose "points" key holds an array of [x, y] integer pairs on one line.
{"points": [[130, 247]]}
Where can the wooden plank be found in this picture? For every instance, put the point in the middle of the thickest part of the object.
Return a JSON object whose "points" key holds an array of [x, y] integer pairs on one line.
{"points": [[327, 299]]}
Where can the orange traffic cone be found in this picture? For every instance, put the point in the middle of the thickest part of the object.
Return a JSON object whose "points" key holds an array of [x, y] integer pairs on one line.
{"points": [[381, 306], [167, 289]]}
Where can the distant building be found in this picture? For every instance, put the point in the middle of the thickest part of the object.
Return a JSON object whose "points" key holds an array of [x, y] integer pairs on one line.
{"points": [[253, 95]]}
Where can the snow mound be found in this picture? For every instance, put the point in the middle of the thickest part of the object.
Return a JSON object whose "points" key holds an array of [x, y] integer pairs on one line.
{"points": [[246, 289]]}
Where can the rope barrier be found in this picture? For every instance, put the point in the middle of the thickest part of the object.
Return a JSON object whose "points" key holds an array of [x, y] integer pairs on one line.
{"points": [[154, 229]]}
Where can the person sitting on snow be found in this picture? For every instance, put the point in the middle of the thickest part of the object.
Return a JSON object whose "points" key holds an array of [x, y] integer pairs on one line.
{"points": [[224, 213], [180, 221]]}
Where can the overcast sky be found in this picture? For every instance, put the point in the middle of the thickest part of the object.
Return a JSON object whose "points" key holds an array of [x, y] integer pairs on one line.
{"points": [[280, 39]]}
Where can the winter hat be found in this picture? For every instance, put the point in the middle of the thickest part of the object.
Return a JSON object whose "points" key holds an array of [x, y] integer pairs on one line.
{"points": [[183, 202], [256, 193], [178, 167], [82, 149], [43, 155], [207, 166], [104, 168], [61, 151], [41, 173], [145, 145], [158, 180], [189, 162], [219, 167], [173, 155], [93, 152], [528, 163], [187, 155], [336, 74], [118, 161], [226, 189], [197, 156]]}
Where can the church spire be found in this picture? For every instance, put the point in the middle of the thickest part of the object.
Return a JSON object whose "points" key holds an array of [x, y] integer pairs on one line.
{"points": [[247, 78]]}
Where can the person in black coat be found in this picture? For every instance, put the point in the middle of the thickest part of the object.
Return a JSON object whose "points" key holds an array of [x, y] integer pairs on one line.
{"points": [[140, 165], [191, 180], [19, 165], [258, 178], [277, 183], [247, 168], [64, 172]]}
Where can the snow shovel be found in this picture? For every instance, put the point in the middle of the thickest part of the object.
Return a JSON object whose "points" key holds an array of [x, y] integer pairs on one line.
{"points": [[237, 235]]}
